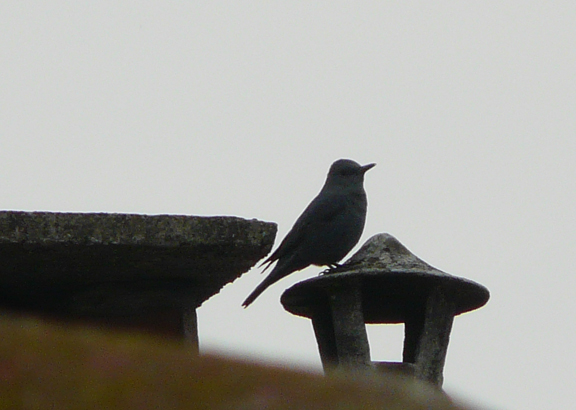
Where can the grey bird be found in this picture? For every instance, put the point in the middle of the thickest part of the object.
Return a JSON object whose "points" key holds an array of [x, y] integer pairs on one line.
{"points": [[327, 229]]}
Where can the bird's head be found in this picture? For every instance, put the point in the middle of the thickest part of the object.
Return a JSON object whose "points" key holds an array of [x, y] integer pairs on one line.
{"points": [[347, 172]]}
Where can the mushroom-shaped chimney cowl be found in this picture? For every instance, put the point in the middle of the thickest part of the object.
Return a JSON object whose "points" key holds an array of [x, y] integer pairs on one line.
{"points": [[394, 284]]}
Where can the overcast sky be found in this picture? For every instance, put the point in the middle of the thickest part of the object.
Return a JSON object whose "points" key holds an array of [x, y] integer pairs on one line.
{"points": [[239, 108]]}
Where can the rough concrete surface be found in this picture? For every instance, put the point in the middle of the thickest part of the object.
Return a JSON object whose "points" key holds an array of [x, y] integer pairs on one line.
{"points": [[45, 256]]}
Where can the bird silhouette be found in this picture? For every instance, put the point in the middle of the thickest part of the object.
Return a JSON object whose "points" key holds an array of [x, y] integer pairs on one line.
{"points": [[328, 228]]}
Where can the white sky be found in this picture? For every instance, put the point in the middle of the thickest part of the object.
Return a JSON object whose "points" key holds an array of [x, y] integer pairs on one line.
{"points": [[239, 108]]}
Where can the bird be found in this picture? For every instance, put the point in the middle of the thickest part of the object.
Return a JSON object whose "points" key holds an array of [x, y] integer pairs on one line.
{"points": [[328, 228]]}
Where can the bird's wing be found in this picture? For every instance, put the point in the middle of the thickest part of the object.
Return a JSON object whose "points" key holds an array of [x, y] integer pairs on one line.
{"points": [[322, 210]]}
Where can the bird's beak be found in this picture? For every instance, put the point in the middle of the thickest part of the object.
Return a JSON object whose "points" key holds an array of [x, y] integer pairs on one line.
{"points": [[367, 167]]}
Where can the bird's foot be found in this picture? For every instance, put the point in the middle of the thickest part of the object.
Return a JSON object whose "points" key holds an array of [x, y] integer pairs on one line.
{"points": [[332, 268]]}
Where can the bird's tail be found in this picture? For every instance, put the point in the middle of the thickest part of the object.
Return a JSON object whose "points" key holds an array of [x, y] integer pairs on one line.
{"points": [[268, 280]]}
